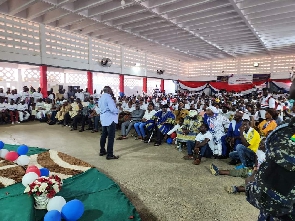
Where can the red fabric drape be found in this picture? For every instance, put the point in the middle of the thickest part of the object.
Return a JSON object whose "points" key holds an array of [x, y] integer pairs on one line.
{"points": [[282, 80], [193, 84], [236, 88]]}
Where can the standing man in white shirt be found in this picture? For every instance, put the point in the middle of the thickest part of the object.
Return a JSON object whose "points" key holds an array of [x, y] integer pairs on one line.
{"points": [[109, 119], [267, 101], [23, 111], [37, 95], [25, 95]]}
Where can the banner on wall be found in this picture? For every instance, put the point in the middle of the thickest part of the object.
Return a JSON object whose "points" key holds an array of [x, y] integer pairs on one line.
{"points": [[240, 79], [261, 77], [222, 78]]}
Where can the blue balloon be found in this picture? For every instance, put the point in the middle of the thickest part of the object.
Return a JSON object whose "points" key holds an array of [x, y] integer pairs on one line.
{"points": [[44, 172], [72, 210], [169, 141], [22, 150], [1, 144], [52, 215]]}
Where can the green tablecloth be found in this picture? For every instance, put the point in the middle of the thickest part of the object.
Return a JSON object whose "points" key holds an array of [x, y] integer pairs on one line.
{"points": [[102, 198], [32, 150]]}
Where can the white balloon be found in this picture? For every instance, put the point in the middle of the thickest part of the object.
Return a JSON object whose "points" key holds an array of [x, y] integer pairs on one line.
{"points": [[56, 203], [23, 160], [3, 153], [29, 178]]}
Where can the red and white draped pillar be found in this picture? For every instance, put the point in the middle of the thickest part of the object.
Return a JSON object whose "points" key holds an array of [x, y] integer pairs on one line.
{"points": [[90, 82], [144, 85], [121, 85], [43, 80], [162, 85]]}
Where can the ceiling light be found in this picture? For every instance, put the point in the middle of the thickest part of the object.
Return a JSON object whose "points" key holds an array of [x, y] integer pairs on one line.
{"points": [[137, 64]]}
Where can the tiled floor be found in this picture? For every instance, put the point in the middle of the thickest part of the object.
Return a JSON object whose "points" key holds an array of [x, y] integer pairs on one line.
{"points": [[157, 180]]}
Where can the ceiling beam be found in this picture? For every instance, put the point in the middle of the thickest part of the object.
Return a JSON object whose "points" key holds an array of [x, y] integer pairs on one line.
{"points": [[247, 22], [54, 15], [147, 22], [68, 20], [122, 12], [81, 5], [108, 7], [82, 24], [152, 27], [180, 5], [38, 9], [193, 11], [133, 18], [16, 6]]}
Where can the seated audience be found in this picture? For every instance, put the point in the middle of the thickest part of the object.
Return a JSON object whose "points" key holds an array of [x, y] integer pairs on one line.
{"points": [[269, 124], [162, 122], [12, 108], [136, 116], [4, 114], [245, 152], [244, 173], [23, 111], [201, 146], [140, 126], [232, 137], [189, 129], [215, 123], [65, 108]]}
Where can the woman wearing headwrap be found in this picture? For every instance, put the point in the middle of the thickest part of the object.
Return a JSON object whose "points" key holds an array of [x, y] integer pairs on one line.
{"points": [[269, 124]]}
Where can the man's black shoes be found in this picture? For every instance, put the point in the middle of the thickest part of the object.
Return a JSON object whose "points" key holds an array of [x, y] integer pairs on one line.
{"points": [[112, 157]]}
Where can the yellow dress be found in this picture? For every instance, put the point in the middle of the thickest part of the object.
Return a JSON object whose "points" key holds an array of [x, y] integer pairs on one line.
{"points": [[63, 110], [266, 126], [180, 114]]}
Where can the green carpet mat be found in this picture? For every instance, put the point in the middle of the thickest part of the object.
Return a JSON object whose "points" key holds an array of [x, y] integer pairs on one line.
{"points": [[102, 198], [32, 150]]}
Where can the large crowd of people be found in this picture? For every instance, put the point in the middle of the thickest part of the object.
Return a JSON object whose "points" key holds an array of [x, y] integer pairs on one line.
{"points": [[222, 125]]}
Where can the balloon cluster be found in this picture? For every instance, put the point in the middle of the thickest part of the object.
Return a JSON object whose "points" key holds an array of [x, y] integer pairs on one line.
{"points": [[169, 140], [32, 173], [18, 156], [58, 208]]}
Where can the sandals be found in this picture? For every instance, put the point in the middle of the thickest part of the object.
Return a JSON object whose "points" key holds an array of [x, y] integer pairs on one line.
{"points": [[156, 144], [188, 157], [119, 138]]}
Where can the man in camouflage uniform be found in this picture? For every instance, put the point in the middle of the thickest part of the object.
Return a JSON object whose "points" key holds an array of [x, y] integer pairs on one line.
{"points": [[272, 188]]}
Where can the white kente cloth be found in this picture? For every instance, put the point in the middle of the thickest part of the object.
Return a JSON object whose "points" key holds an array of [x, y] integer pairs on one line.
{"points": [[216, 128]]}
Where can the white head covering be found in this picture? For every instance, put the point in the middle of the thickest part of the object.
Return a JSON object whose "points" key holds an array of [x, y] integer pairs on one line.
{"points": [[213, 109], [246, 117], [193, 113]]}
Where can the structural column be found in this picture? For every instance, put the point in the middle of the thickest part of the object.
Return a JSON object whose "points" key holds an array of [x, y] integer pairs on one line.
{"points": [[43, 80], [90, 82], [162, 85], [144, 87], [121, 85]]}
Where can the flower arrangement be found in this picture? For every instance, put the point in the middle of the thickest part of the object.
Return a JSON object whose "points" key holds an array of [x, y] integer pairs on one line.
{"points": [[48, 186]]}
